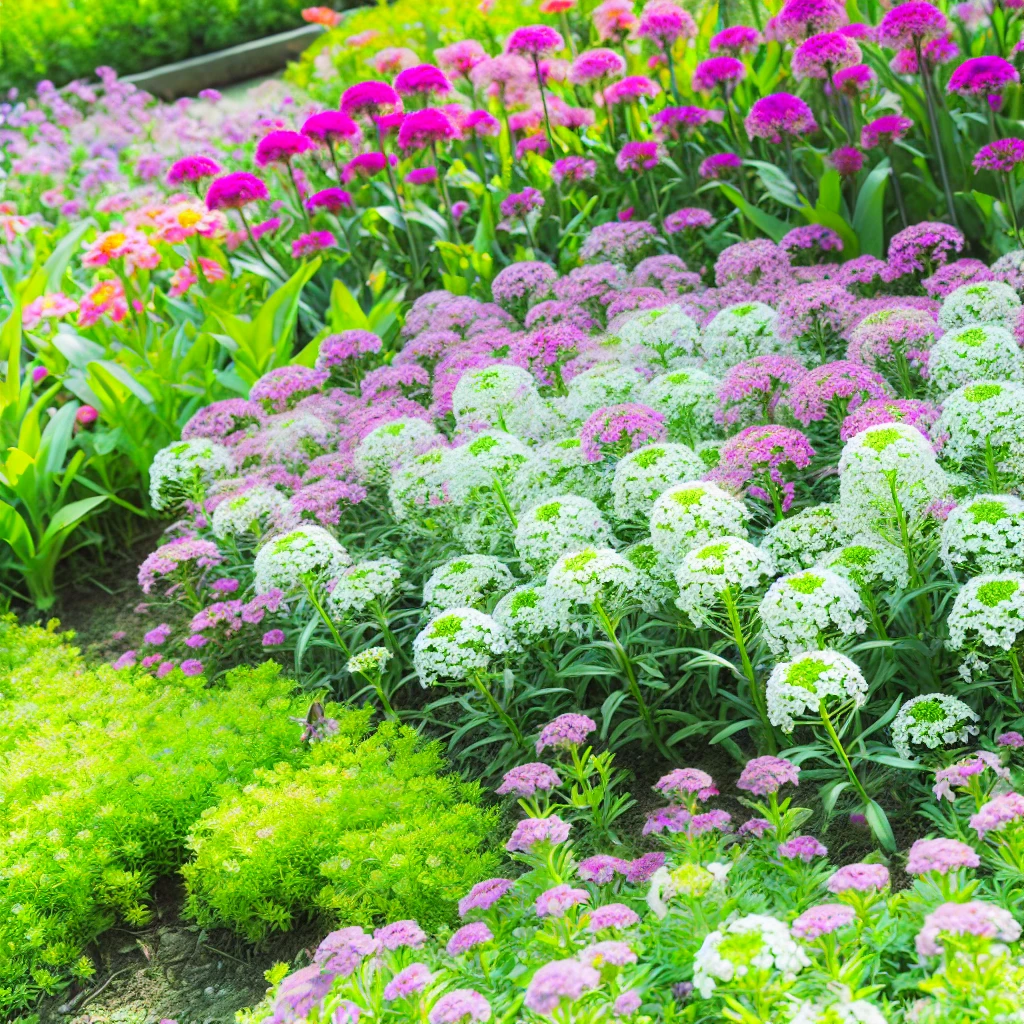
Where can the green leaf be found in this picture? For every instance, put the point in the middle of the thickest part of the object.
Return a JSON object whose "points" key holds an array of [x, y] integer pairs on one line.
{"points": [[56, 266], [830, 794], [880, 825], [345, 313], [274, 326], [814, 215], [56, 439], [484, 237], [771, 226], [15, 532], [10, 348], [869, 213], [830, 192], [116, 377], [68, 518]]}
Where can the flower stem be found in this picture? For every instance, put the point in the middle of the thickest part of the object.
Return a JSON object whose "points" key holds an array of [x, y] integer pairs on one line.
{"points": [[929, 97], [837, 745], [315, 602], [748, 668], [502, 714]]}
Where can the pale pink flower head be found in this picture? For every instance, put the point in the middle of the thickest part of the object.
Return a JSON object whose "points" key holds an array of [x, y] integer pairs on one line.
{"points": [[756, 827], [460, 58], [558, 901], [822, 920], [858, 878], [982, 920], [779, 114], [768, 774], [614, 20], [534, 41], [664, 22], [611, 915], [601, 868], [392, 59], [689, 781], [611, 952], [1010, 739], [468, 937], [593, 65], [407, 982], [421, 80], [557, 981], [1002, 810], [940, 856], [484, 895], [631, 89], [641, 869], [689, 218], [531, 832], [804, 848], [565, 731], [400, 934], [460, 1006], [526, 779]]}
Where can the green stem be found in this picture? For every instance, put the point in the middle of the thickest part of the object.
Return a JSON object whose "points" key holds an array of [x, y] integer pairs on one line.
{"points": [[1018, 676], [484, 690], [837, 745], [315, 602], [926, 80], [756, 697]]}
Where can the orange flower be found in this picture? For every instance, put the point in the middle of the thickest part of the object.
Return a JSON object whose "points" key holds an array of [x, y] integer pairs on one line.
{"points": [[321, 16], [556, 6]]}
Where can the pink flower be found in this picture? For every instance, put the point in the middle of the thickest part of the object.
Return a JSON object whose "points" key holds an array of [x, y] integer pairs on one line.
{"points": [[460, 58], [192, 169], [688, 218], [641, 869], [941, 856], [593, 65], [331, 199], [366, 165], [407, 982], [804, 848], [664, 22], [519, 204], [104, 299], [235, 190], [922, 247], [480, 122], [127, 660], [614, 19], [846, 160], [565, 731], [422, 79], [601, 869], [983, 920], [618, 429], [631, 89], [532, 831], [281, 147], [273, 638], [1002, 156], [311, 243], [822, 920], [51, 306], [460, 1006], [821, 56], [909, 24], [854, 80], [192, 667], [798, 19], [858, 878], [611, 952], [1010, 739], [400, 934], [781, 113], [719, 165], [484, 895], [423, 128], [984, 76], [718, 72], [736, 40], [637, 157], [675, 122], [611, 915], [329, 127], [525, 780], [687, 780], [557, 981], [534, 41], [370, 99], [557, 901], [999, 811], [468, 937], [764, 775], [756, 827]]}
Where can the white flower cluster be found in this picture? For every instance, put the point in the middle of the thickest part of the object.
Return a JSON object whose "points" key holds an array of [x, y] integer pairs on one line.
{"points": [[644, 474], [980, 352], [309, 551], [801, 608], [757, 942], [989, 411], [868, 560], [490, 455], [705, 573], [984, 534], [503, 397], [737, 333], [665, 336], [295, 438], [984, 302], [456, 644], [607, 383], [182, 470], [255, 512], [370, 662], [559, 467], [389, 446], [420, 487], [533, 612], [691, 514], [656, 583], [988, 610], [931, 720], [364, 582], [799, 541], [892, 459], [687, 399], [796, 688], [836, 1008], [560, 524], [592, 574], [465, 582]]}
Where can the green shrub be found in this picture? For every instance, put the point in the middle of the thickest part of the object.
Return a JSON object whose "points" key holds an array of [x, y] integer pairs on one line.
{"points": [[367, 831]]}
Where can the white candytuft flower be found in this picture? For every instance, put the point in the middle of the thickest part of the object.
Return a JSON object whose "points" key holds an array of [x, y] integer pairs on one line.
{"points": [[802, 607], [987, 414], [456, 644], [466, 582], [557, 525], [755, 942], [737, 333], [605, 384], [309, 551], [688, 400], [534, 612], [984, 302], [656, 583], [386, 447], [642, 475], [420, 487], [799, 541], [984, 534], [363, 583], [883, 460], [706, 572], [559, 467], [988, 610], [932, 720], [254, 512], [592, 574], [369, 662], [837, 1007], [796, 688], [491, 455], [183, 470], [980, 352], [868, 560], [691, 514], [503, 397], [666, 337]]}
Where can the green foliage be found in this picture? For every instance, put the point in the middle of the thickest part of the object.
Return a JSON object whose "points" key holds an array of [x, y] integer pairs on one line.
{"points": [[366, 830]]}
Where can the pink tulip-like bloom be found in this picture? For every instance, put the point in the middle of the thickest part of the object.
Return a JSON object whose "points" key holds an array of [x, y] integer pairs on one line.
{"points": [[281, 147], [528, 778], [798, 19], [999, 811], [664, 22], [460, 1006], [534, 41], [601, 869], [885, 130], [235, 190], [559, 980], [331, 199], [804, 848], [620, 429], [311, 243], [593, 65], [370, 99], [460, 58], [468, 937], [484, 895], [846, 160], [422, 176], [676, 122], [822, 920], [718, 72], [530, 832], [719, 165], [823, 55], [329, 126], [423, 128], [421, 80], [982, 920], [858, 878], [569, 730], [555, 902], [777, 115], [192, 168], [910, 24], [637, 156], [689, 218], [984, 76], [687, 780], [736, 40], [630, 89], [1002, 156], [765, 775], [612, 915], [940, 856]]}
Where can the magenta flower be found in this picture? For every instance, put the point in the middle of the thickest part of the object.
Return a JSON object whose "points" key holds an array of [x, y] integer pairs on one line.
{"points": [[573, 169], [912, 411], [126, 660], [676, 122], [594, 65], [637, 157], [1002, 156], [370, 99], [798, 19], [424, 128], [777, 115], [330, 126], [821, 56], [618, 429], [641, 869], [933, 53], [519, 204], [1010, 739], [736, 40], [765, 459], [922, 247], [191, 667], [664, 22], [846, 160], [910, 24], [331, 199], [751, 389], [311, 243], [421, 80], [273, 638], [191, 169], [804, 848], [526, 779], [235, 190], [480, 122], [281, 147], [841, 384], [534, 41], [689, 781], [460, 58], [765, 775], [422, 176], [984, 76], [366, 165], [718, 72], [854, 80], [484, 895], [630, 89], [719, 165], [822, 920], [811, 236]]}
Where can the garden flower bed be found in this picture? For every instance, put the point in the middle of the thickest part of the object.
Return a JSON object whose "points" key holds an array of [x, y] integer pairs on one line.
{"points": [[625, 391]]}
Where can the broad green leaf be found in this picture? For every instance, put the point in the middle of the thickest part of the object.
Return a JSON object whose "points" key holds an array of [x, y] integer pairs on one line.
{"points": [[345, 313], [814, 215], [771, 226], [869, 213], [78, 351], [56, 266], [484, 238], [830, 191], [108, 371], [68, 518], [10, 349], [56, 439], [14, 531], [274, 325], [880, 825]]}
